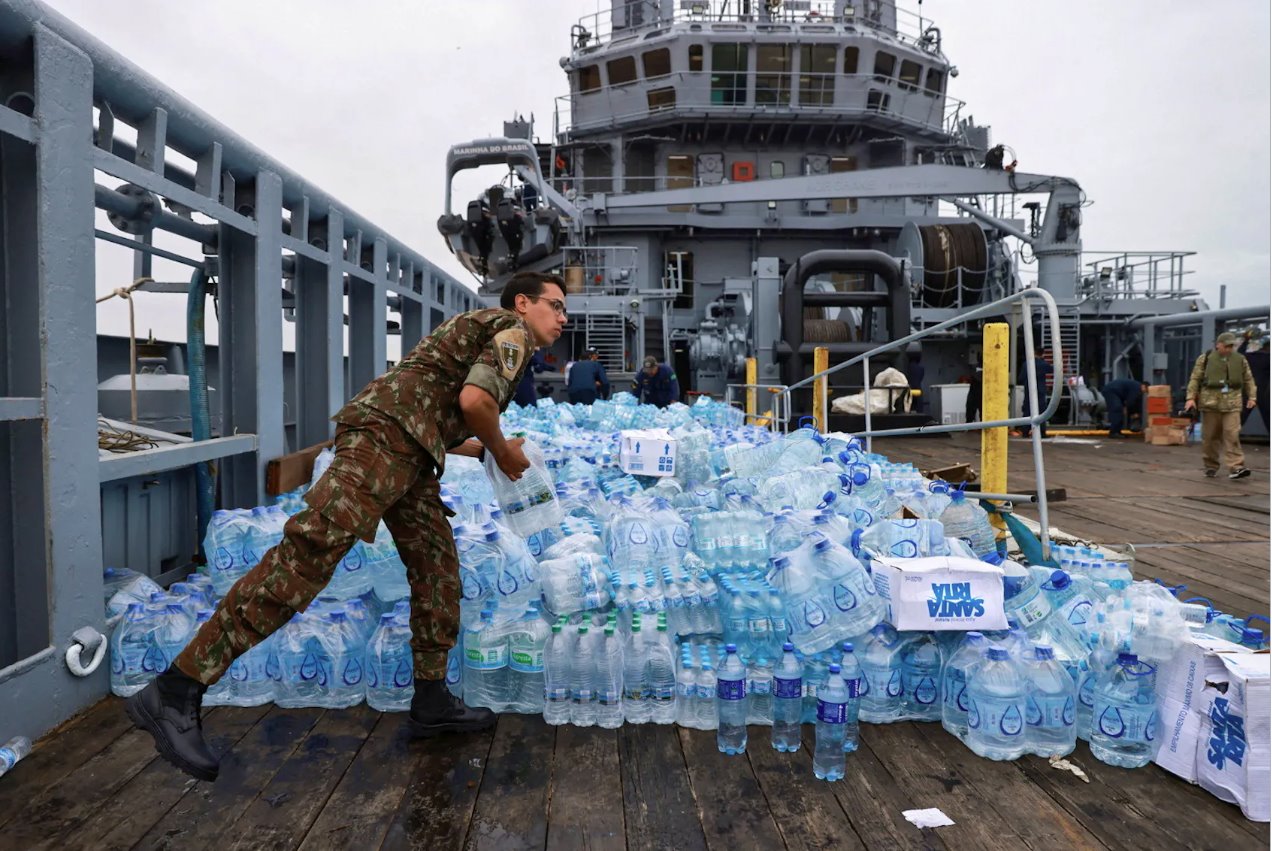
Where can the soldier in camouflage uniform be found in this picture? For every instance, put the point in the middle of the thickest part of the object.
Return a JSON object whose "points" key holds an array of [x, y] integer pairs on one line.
{"points": [[390, 449], [1219, 380]]}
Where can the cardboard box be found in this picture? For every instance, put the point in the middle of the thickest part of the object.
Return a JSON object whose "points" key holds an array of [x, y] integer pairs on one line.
{"points": [[1171, 422], [1155, 390], [1233, 754], [1166, 436], [1179, 696], [940, 593], [1157, 405], [647, 452]]}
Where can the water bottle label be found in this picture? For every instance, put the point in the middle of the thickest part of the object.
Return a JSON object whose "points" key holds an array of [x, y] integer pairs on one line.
{"points": [[556, 695], [998, 717], [609, 697], [1126, 723], [905, 549], [705, 693], [1079, 611], [492, 658], [779, 624], [759, 686], [1052, 712], [811, 688], [351, 672], [924, 692], [1086, 692], [8, 758], [832, 713], [687, 691], [731, 689], [1032, 612], [583, 695], [814, 614], [526, 661], [154, 661], [854, 687], [635, 692], [663, 694], [953, 689], [845, 600], [758, 625]]}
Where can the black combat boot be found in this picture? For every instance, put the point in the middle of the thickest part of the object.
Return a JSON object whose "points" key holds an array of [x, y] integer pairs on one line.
{"points": [[434, 710], [169, 709]]}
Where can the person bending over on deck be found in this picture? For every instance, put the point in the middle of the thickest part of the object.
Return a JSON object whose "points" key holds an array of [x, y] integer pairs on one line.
{"points": [[1219, 380], [588, 380], [1123, 398], [656, 383], [390, 449]]}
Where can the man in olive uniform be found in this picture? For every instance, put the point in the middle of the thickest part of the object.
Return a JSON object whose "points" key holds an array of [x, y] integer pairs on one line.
{"points": [[1219, 380], [390, 450]]}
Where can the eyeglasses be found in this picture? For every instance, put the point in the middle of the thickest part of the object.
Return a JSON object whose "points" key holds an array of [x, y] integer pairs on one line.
{"points": [[558, 306]]}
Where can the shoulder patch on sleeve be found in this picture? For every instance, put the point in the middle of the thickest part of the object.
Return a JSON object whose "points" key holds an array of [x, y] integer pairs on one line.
{"points": [[510, 348]]}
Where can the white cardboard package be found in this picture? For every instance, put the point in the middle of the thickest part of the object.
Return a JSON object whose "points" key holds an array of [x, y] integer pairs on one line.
{"points": [[647, 452], [1232, 750], [941, 593], [1179, 698]]}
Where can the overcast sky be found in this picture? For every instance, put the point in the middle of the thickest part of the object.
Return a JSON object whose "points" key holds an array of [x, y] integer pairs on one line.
{"points": [[1159, 110]]}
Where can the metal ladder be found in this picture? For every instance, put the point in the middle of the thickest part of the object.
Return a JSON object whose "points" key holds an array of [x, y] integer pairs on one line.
{"points": [[1069, 339], [605, 333]]}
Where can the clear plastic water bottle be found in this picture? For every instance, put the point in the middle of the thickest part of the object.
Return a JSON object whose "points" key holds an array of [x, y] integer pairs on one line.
{"points": [[557, 676], [1069, 600], [850, 670], [1124, 719], [967, 521], [390, 668], [1051, 711], [1098, 664], [708, 713], [636, 704], [882, 687], [996, 696], [485, 664], [1025, 604], [788, 701], [12, 751], [832, 723], [921, 678], [252, 685], [527, 641], [731, 703], [759, 692], [129, 645], [957, 671], [529, 504], [816, 670], [346, 650], [661, 674], [583, 679], [454, 669], [609, 681]]}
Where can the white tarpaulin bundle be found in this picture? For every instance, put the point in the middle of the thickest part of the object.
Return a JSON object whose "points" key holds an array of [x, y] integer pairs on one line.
{"points": [[892, 383]]}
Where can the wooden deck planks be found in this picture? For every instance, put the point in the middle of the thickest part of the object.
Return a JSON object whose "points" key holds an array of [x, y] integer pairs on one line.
{"points": [[586, 783], [512, 804], [730, 803], [806, 811], [658, 804]]}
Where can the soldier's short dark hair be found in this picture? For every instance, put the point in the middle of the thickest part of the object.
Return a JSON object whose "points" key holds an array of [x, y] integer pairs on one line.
{"points": [[528, 284]]}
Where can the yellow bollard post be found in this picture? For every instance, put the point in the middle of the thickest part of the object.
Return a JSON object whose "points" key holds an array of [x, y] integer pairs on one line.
{"points": [[752, 378], [821, 363], [996, 391]]}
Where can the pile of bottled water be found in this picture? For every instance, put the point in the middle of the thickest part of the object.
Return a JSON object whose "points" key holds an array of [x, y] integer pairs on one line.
{"points": [[736, 592]]}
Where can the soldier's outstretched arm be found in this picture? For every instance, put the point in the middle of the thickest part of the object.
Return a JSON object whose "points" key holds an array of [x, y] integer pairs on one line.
{"points": [[481, 415]]}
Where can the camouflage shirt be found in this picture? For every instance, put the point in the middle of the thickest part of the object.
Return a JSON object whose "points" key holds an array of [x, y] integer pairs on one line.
{"points": [[486, 348], [1219, 383]]}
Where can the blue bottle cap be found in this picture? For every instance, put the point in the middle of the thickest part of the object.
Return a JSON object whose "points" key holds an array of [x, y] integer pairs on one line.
{"points": [[998, 654], [1060, 580], [835, 669], [730, 648], [847, 646], [787, 647]]}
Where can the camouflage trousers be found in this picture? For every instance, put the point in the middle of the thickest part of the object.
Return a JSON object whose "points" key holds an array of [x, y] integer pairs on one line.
{"points": [[373, 476]]}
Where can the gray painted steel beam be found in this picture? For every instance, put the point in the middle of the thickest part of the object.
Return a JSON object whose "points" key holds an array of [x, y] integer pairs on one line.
{"points": [[367, 305], [14, 123], [71, 544], [412, 311], [20, 408], [146, 461], [319, 336], [251, 348]]}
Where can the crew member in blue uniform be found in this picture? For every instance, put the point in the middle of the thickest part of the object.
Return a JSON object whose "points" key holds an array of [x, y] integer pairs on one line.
{"points": [[1123, 398], [1042, 370], [656, 384], [527, 394], [587, 380]]}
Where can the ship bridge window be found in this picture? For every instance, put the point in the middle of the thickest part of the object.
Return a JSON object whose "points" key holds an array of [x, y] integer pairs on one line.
{"points": [[878, 101], [773, 74], [589, 78], [728, 74], [664, 98], [911, 75], [817, 75], [695, 57], [850, 60], [621, 70], [935, 84], [884, 67], [657, 63]]}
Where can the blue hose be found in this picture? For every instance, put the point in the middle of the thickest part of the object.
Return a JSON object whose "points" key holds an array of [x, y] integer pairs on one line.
{"points": [[200, 417]]}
